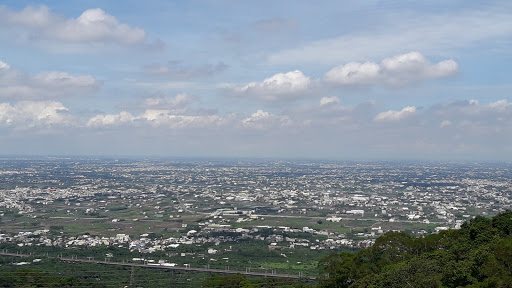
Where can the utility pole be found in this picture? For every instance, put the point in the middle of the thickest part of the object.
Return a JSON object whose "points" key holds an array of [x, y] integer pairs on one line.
{"points": [[132, 277]]}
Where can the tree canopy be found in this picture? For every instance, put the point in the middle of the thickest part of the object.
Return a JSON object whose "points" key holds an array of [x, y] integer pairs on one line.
{"points": [[477, 255]]}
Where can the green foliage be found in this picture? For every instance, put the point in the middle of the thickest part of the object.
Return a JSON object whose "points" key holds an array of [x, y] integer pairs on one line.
{"points": [[55, 228], [225, 281], [503, 222], [242, 281], [477, 255], [25, 277], [118, 208]]}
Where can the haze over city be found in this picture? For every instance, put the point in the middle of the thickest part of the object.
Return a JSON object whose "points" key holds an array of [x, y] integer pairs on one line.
{"points": [[287, 79]]}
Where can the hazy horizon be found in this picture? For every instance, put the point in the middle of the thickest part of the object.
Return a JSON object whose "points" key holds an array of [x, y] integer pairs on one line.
{"points": [[244, 159]]}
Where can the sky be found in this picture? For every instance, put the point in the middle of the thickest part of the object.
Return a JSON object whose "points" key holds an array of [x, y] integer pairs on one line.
{"points": [[341, 80]]}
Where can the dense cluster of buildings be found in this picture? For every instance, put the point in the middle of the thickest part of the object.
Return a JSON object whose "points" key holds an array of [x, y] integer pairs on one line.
{"points": [[226, 200]]}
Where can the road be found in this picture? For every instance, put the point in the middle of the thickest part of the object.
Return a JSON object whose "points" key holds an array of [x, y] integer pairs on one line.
{"points": [[207, 270], [343, 219], [157, 266]]}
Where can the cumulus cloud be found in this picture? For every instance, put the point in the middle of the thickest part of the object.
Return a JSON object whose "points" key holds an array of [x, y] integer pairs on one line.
{"points": [[393, 115], [500, 106], [281, 86], [257, 116], [29, 114], [453, 128], [4, 66], [445, 123], [473, 109], [93, 25], [473, 113], [174, 69], [398, 70], [329, 100], [167, 118], [156, 118], [411, 67], [110, 120], [18, 85], [353, 73], [264, 120], [57, 79], [170, 119], [367, 118], [393, 71]]}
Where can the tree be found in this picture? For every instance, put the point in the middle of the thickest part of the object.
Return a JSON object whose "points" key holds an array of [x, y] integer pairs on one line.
{"points": [[503, 223], [337, 270], [477, 255]]}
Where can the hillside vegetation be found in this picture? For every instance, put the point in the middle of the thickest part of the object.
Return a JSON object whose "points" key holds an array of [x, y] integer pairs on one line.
{"points": [[477, 255]]}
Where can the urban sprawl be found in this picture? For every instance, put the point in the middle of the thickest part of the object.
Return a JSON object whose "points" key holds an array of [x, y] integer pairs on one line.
{"points": [[162, 205]]}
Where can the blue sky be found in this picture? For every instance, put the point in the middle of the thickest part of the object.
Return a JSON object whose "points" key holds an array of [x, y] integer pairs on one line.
{"points": [[288, 79]]}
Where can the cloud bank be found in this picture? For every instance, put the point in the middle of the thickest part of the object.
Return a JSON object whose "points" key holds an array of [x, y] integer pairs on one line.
{"points": [[392, 115], [281, 86], [453, 129], [434, 33], [396, 71], [17, 85], [30, 114]]}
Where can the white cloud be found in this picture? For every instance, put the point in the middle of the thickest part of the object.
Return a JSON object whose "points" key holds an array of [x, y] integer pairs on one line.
{"points": [[257, 116], [445, 123], [411, 67], [93, 25], [166, 118], [17, 85], [264, 120], [437, 131], [353, 73], [4, 66], [500, 106], [397, 70], [56, 79], [436, 34], [156, 118], [329, 100], [393, 115], [7, 114], [281, 86], [28, 114], [473, 109], [110, 120], [155, 115], [394, 71]]}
